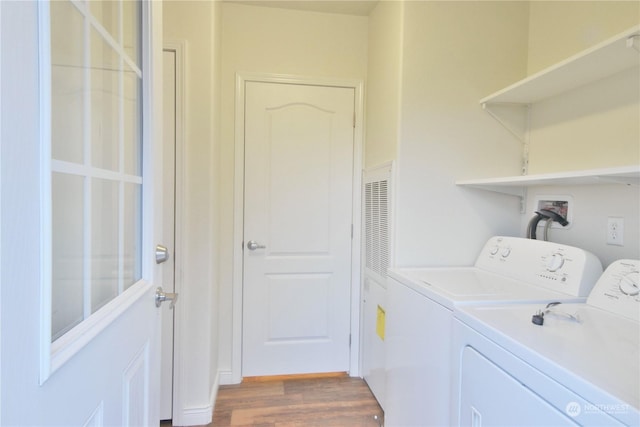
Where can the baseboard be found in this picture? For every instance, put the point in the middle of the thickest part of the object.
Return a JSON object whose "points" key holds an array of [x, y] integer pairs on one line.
{"points": [[202, 415], [196, 416], [214, 394], [226, 378]]}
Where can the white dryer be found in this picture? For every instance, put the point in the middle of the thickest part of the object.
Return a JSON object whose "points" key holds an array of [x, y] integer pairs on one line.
{"points": [[419, 316], [566, 364]]}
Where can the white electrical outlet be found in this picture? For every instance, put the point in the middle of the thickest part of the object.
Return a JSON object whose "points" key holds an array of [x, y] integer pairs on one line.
{"points": [[615, 231]]}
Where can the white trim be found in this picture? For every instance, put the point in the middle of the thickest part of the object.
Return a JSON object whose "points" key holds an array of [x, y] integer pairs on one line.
{"points": [[226, 377], [106, 36], [197, 416], [381, 171], [238, 232], [1, 211], [238, 203], [202, 415], [180, 50], [96, 419], [356, 241], [87, 160], [73, 341], [45, 97], [71, 168], [151, 57], [213, 395]]}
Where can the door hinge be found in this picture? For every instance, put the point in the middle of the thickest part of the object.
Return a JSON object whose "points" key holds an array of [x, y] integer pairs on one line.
{"points": [[354, 119], [349, 340], [351, 231]]}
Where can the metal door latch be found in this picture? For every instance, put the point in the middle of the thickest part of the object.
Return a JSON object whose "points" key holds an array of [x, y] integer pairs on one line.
{"points": [[162, 296], [252, 245]]}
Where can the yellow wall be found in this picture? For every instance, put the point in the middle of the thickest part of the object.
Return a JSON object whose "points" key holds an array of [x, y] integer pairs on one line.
{"points": [[277, 41], [559, 29], [591, 127], [455, 53], [383, 82]]}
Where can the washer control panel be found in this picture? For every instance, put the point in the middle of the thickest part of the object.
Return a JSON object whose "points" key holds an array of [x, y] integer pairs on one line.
{"points": [[562, 268], [618, 290]]}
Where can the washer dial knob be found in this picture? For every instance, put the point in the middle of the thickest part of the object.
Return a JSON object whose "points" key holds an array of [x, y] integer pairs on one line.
{"points": [[629, 283], [555, 262]]}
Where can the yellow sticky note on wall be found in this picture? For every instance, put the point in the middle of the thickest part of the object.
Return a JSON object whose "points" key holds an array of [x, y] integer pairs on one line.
{"points": [[380, 323]]}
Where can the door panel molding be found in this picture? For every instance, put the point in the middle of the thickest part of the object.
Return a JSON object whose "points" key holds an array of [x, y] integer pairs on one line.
{"points": [[235, 376]]}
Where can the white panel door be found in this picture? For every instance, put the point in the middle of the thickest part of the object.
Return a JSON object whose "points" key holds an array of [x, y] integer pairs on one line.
{"points": [[299, 143], [80, 212]]}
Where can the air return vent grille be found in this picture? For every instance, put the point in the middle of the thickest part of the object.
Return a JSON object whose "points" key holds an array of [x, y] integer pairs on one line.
{"points": [[377, 220]]}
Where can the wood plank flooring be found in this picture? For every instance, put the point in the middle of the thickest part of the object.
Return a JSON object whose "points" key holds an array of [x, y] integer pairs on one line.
{"points": [[333, 401]]}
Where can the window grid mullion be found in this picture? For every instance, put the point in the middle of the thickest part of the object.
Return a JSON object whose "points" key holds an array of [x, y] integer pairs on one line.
{"points": [[88, 184], [121, 159]]}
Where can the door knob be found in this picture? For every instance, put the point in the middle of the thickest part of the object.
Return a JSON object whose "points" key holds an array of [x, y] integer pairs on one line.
{"points": [[162, 296], [252, 245]]}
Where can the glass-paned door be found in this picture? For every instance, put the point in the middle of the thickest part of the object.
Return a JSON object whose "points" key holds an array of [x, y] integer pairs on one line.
{"points": [[96, 156], [72, 226]]}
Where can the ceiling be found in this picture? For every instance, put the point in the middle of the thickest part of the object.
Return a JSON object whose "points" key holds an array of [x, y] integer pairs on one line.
{"points": [[345, 7]]}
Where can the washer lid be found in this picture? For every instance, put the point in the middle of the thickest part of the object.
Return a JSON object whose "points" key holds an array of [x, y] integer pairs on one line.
{"points": [[467, 285], [597, 356]]}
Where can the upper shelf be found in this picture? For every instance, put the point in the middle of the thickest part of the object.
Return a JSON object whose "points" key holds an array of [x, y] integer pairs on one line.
{"points": [[604, 59], [629, 175]]}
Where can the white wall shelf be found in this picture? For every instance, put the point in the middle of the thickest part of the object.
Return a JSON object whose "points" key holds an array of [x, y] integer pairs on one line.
{"points": [[614, 55], [517, 185], [607, 58]]}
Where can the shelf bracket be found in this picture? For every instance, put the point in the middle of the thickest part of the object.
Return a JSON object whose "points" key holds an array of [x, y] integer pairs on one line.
{"points": [[523, 201], [518, 133], [634, 42]]}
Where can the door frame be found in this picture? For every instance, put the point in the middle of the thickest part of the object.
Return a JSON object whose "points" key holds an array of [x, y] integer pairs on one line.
{"points": [[238, 216], [179, 47]]}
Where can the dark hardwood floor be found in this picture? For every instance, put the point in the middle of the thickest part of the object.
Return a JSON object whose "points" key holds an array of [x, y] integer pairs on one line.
{"points": [[297, 401]]}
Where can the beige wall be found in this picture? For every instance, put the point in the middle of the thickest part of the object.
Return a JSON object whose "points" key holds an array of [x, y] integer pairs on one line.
{"points": [[197, 24], [278, 41], [559, 29], [591, 127], [383, 83], [455, 53]]}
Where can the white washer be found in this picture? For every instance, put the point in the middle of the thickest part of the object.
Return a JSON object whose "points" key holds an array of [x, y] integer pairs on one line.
{"points": [[580, 367], [419, 317]]}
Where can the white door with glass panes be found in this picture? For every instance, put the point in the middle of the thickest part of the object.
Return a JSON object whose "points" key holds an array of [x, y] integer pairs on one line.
{"points": [[81, 212]]}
